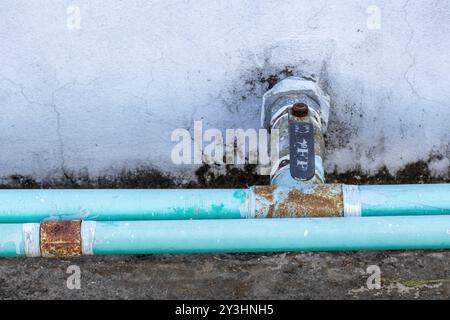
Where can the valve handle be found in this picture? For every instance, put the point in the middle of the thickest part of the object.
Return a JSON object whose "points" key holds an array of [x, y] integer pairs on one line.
{"points": [[301, 149]]}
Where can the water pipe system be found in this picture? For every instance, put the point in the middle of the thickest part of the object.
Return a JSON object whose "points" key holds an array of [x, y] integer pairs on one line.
{"points": [[297, 212], [303, 200]]}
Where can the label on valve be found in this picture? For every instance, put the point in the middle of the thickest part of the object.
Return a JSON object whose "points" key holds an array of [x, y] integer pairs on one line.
{"points": [[301, 148]]}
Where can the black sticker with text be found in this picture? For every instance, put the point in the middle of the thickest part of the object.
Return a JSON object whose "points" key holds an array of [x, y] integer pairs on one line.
{"points": [[301, 144]]}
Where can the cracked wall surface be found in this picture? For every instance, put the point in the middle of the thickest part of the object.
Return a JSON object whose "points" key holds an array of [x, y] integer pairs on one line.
{"points": [[107, 95]]}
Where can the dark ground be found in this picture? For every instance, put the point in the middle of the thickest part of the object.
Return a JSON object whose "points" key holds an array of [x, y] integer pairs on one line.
{"points": [[338, 275]]}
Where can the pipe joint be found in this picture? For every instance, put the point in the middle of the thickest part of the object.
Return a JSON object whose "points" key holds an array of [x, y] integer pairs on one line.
{"points": [[60, 238]]}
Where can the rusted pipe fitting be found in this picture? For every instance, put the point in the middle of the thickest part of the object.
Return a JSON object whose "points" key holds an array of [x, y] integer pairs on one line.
{"points": [[298, 110], [61, 238], [309, 200], [293, 90]]}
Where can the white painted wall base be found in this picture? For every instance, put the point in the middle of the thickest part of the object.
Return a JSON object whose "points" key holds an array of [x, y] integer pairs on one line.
{"points": [[108, 95]]}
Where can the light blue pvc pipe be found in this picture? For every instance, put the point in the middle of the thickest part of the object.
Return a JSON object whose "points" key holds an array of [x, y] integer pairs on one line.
{"points": [[265, 235], [121, 204], [12, 240], [412, 199], [36, 205]]}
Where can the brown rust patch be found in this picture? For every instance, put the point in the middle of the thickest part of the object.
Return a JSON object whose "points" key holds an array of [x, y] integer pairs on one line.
{"points": [[61, 238], [325, 201], [265, 193]]}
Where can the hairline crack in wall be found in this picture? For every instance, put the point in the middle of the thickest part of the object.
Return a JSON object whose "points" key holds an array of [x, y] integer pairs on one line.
{"points": [[106, 96]]}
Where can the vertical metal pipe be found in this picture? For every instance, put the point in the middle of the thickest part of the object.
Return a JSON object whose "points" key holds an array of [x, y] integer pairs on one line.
{"points": [[277, 114]]}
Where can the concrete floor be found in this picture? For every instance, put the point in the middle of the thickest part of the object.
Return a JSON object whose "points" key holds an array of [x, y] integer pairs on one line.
{"points": [[404, 275]]}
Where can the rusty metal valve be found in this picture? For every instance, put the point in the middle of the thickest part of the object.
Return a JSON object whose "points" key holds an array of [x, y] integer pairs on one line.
{"points": [[299, 109]]}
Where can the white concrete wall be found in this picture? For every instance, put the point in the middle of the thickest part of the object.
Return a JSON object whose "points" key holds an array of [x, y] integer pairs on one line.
{"points": [[108, 95]]}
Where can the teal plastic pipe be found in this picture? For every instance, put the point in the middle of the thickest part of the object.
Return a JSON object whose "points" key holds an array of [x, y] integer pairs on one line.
{"points": [[22, 206], [266, 235], [35, 205], [20, 240], [397, 200], [252, 235], [12, 240]]}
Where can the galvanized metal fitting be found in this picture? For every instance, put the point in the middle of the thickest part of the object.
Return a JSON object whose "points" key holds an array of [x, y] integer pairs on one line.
{"points": [[310, 200], [60, 239], [295, 90], [296, 105]]}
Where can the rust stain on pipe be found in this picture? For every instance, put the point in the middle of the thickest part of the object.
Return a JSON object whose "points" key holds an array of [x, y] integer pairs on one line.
{"points": [[320, 200], [323, 202], [61, 238], [265, 192], [265, 196]]}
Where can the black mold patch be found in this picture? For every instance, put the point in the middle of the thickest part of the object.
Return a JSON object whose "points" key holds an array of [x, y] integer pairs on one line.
{"points": [[145, 178], [232, 177], [262, 80], [20, 181], [249, 88], [132, 179], [340, 132], [417, 172]]}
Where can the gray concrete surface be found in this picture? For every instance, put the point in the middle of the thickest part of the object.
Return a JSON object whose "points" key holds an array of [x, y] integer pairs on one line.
{"points": [[404, 275]]}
